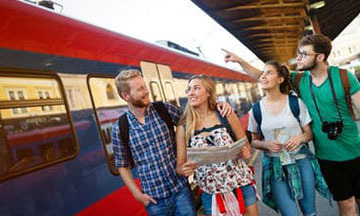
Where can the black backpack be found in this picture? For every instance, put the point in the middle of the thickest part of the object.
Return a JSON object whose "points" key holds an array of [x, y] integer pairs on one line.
{"points": [[124, 127]]}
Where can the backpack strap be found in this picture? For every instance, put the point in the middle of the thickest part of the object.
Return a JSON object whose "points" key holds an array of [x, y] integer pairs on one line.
{"points": [[294, 107], [164, 115], [298, 77], [124, 136], [225, 122], [346, 85], [124, 128], [256, 110]]}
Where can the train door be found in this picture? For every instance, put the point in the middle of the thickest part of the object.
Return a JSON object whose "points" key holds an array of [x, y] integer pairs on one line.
{"points": [[160, 81], [107, 108]]}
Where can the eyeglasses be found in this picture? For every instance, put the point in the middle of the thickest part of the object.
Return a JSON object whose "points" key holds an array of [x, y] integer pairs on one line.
{"points": [[303, 55]]}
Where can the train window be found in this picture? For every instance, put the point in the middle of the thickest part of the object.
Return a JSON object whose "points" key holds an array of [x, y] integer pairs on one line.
{"points": [[219, 89], [107, 111], [249, 90], [69, 93], [181, 86], [110, 94], [234, 96], [170, 93], [34, 121], [245, 104], [155, 91], [242, 90], [257, 93]]}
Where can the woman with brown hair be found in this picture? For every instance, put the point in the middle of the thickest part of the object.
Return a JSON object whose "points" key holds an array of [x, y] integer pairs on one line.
{"points": [[290, 172]]}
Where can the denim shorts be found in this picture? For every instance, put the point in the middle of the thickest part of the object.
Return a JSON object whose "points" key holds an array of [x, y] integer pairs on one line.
{"points": [[248, 192]]}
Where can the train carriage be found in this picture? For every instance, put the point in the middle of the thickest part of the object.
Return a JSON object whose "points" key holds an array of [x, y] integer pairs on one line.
{"points": [[58, 101]]}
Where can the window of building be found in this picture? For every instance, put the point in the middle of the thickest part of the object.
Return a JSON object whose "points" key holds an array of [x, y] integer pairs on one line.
{"points": [[350, 50], [17, 95], [31, 139], [44, 94]]}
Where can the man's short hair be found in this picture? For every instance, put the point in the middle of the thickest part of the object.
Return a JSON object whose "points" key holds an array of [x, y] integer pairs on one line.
{"points": [[122, 78], [320, 43]]}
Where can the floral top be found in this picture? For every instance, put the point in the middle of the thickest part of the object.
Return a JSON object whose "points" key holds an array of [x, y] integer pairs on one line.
{"points": [[219, 177]]}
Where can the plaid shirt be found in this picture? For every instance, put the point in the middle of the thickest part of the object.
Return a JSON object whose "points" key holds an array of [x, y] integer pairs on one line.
{"points": [[152, 148]]}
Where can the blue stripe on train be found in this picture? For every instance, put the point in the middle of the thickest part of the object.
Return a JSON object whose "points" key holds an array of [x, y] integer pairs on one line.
{"points": [[65, 188]]}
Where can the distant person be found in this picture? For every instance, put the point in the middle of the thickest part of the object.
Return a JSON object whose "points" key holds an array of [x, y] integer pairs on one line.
{"points": [[336, 135], [202, 126], [290, 172], [151, 144]]}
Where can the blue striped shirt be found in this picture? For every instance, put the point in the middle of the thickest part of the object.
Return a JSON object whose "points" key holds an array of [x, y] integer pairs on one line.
{"points": [[152, 148]]}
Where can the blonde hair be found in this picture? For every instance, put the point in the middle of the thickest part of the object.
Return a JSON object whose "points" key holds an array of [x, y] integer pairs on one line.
{"points": [[191, 117], [122, 78]]}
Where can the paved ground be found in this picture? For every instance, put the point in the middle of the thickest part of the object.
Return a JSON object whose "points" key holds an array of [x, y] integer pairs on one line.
{"points": [[322, 205]]}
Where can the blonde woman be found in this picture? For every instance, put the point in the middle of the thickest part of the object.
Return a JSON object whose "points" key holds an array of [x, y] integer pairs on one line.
{"points": [[201, 126]]}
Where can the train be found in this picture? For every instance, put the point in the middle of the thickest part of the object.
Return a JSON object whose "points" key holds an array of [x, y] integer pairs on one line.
{"points": [[58, 101]]}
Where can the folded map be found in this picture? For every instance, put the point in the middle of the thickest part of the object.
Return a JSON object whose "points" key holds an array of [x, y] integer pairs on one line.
{"points": [[215, 154]]}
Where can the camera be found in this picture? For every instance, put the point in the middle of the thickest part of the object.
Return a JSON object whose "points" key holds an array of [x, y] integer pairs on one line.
{"points": [[333, 129]]}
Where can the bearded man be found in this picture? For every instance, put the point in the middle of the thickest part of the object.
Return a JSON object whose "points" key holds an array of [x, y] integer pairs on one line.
{"points": [[151, 143]]}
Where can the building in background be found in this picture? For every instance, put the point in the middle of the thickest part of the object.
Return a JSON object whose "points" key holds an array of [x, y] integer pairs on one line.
{"points": [[346, 48]]}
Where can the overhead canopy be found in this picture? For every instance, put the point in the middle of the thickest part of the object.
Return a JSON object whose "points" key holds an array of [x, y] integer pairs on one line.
{"points": [[272, 28]]}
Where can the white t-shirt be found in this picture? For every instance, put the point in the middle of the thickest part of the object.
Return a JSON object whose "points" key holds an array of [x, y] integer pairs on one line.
{"points": [[281, 126]]}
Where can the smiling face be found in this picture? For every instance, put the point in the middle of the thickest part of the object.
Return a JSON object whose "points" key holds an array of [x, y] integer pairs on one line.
{"points": [[270, 78], [197, 94], [138, 94]]}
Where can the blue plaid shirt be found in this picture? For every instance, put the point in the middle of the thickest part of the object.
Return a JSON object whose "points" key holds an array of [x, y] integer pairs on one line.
{"points": [[152, 148]]}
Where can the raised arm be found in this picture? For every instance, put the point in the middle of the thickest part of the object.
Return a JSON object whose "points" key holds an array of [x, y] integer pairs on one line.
{"points": [[250, 70]]}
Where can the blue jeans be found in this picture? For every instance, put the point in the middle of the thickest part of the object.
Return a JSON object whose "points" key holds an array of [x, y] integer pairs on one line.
{"points": [[282, 194], [180, 203], [248, 192]]}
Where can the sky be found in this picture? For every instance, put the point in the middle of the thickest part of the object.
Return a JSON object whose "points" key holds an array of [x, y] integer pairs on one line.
{"points": [[179, 21]]}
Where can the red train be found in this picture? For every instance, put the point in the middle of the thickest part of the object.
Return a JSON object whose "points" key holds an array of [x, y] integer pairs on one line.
{"points": [[58, 101]]}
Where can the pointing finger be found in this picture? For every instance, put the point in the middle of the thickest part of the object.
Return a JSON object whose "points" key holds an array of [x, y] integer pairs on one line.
{"points": [[225, 51]]}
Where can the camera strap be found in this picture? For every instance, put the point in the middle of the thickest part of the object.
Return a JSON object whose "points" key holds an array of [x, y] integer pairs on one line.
{"points": [[332, 92]]}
